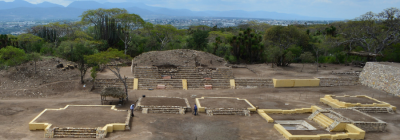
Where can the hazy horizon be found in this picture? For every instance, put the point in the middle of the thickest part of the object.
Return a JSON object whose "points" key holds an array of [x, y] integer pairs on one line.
{"points": [[341, 9]]}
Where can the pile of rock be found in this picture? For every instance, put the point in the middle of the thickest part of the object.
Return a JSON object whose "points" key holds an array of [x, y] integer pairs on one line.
{"points": [[68, 66]]}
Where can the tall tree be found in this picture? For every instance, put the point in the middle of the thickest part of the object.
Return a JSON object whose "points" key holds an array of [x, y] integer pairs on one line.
{"points": [[283, 38], [26, 40], [104, 23], [128, 23], [374, 32], [165, 34], [110, 59], [80, 51]]}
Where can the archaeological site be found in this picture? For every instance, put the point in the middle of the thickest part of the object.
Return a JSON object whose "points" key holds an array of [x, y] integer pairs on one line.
{"points": [[193, 95]]}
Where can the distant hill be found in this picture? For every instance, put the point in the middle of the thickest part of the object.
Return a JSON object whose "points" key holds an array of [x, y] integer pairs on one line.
{"points": [[20, 9], [22, 3]]}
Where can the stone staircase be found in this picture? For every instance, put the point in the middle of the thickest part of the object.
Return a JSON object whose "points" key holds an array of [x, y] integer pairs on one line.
{"points": [[146, 72], [223, 73], [187, 73], [152, 83], [216, 83], [332, 126], [74, 133], [323, 120]]}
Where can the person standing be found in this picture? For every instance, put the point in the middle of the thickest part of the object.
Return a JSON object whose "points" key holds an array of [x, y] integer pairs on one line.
{"points": [[132, 107], [195, 109]]}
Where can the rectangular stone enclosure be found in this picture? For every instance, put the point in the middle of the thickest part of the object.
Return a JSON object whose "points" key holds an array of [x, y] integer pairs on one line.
{"points": [[162, 104]]}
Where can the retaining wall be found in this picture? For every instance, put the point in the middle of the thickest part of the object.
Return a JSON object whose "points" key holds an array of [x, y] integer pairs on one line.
{"points": [[339, 81], [296, 82], [382, 76]]}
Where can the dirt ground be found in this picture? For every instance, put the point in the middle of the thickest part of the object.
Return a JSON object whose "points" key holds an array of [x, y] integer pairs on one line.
{"points": [[82, 117], [355, 100], [21, 102], [223, 103], [107, 74], [157, 101]]}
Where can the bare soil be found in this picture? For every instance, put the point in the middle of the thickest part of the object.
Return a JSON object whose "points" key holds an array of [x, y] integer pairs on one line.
{"points": [[82, 117], [107, 74], [361, 100], [159, 101], [223, 103], [354, 115]]}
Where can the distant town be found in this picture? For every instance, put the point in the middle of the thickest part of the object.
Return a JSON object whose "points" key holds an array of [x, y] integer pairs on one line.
{"points": [[19, 27]]}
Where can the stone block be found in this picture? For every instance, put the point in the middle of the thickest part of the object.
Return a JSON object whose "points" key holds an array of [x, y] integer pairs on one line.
{"points": [[209, 87]]}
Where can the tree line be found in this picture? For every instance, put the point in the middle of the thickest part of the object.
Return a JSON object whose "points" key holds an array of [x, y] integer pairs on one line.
{"points": [[253, 42]]}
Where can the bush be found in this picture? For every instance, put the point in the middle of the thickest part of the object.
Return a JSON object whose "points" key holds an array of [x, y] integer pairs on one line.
{"points": [[47, 49], [11, 56], [231, 58]]}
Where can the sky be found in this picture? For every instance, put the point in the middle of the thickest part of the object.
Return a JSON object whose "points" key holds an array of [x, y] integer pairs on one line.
{"points": [[343, 9]]}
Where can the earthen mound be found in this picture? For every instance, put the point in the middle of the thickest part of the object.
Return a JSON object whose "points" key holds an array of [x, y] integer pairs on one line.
{"points": [[179, 58]]}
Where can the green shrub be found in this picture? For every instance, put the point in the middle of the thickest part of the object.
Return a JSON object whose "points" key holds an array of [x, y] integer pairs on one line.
{"points": [[11, 56]]}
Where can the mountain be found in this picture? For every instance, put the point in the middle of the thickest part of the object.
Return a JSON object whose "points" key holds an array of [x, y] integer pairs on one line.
{"points": [[28, 13], [22, 3], [47, 5], [20, 9]]}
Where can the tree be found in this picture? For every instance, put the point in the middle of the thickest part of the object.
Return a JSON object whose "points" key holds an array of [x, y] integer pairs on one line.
{"points": [[318, 47], [105, 25], [79, 57], [26, 40], [247, 45], [283, 38], [110, 59], [165, 33], [128, 23], [198, 39], [11, 56], [35, 57], [93, 74], [306, 57], [374, 32]]}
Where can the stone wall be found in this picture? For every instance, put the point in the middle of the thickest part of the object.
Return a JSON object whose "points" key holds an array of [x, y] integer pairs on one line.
{"points": [[253, 83], [382, 76], [338, 81]]}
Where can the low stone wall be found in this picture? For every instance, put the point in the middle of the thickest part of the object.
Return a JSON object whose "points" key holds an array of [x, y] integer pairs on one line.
{"points": [[163, 109], [340, 81], [253, 83], [382, 76]]}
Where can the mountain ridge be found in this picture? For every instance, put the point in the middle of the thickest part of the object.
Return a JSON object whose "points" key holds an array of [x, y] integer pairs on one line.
{"points": [[24, 8]]}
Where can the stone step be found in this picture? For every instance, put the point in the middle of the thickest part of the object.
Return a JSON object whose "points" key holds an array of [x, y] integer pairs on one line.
{"points": [[75, 136]]}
